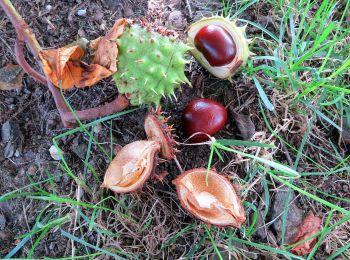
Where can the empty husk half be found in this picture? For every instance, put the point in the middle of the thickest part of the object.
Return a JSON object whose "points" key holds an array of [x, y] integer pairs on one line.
{"points": [[214, 202], [131, 167]]}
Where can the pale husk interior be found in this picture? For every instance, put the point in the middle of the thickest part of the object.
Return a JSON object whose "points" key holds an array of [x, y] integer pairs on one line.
{"points": [[131, 167], [214, 201]]}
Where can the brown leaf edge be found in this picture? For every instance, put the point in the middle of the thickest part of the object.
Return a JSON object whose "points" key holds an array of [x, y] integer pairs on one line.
{"points": [[309, 227]]}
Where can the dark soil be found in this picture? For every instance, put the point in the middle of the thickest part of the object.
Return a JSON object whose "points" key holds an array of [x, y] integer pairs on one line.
{"points": [[33, 110]]}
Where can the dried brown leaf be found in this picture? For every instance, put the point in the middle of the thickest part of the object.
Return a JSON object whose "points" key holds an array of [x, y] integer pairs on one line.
{"points": [[244, 124], [310, 226], [64, 66], [11, 77], [106, 48]]}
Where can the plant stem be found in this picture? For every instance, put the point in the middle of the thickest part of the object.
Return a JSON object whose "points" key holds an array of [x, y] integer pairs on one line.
{"points": [[118, 104], [68, 117], [22, 28], [19, 45]]}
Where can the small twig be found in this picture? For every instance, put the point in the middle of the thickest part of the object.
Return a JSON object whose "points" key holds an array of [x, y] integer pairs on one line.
{"points": [[189, 9], [76, 215], [286, 153], [178, 165]]}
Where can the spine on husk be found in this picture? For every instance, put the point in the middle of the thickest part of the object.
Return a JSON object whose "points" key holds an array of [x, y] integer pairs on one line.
{"points": [[150, 65]]}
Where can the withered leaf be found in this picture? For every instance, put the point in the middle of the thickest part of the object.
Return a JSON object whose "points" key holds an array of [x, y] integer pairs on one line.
{"points": [[11, 77], [294, 216], [64, 66], [244, 124], [106, 48], [310, 226]]}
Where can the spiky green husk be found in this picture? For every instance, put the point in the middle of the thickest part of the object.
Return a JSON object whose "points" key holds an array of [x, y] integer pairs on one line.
{"points": [[150, 66]]}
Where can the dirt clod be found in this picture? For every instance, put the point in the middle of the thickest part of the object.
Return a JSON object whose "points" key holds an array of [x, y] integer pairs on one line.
{"points": [[176, 21]]}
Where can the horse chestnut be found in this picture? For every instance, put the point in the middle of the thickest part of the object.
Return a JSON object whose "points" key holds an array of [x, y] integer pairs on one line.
{"points": [[219, 45], [216, 44], [203, 115]]}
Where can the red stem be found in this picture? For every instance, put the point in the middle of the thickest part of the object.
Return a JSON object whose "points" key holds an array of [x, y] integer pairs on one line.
{"points": [[118, 104], [19, 45], [24, 34]]}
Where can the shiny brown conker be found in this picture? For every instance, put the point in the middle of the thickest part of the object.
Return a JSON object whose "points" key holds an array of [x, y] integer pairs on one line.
{"points": [[203, 115], [216, 45]]}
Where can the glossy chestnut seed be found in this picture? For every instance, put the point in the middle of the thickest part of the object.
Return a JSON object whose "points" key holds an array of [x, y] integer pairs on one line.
{"points": [[216, 44], [203, 115]]}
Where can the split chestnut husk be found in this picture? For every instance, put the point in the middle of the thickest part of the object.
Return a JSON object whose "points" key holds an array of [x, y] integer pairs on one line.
{"points": [[219, 45], [131, 167], [214, 202], [158, 130]]}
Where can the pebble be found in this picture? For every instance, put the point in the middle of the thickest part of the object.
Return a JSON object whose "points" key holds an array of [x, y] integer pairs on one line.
{"points": [[12, 138], [32, 169], [81, 12], [98, 128], [17, 153], [54, 153], [2, 222], [9, 100], [128, 12], [51, 123], [48, 8], [81, 32]]}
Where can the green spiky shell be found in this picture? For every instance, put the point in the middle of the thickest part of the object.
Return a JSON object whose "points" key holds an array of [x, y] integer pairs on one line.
{"points": [[150, 65]]}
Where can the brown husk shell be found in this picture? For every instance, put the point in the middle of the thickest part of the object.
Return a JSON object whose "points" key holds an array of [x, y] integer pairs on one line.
{"points": [[216, 203], [131, 167], [157, 129]]}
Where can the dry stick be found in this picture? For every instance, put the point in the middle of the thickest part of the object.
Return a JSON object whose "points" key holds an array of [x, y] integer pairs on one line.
{"points": [[189, 9], [24, 34], [178, 165]]}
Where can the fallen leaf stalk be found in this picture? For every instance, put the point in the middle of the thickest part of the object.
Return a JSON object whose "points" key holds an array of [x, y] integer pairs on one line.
{"points": [[26, 36]]}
